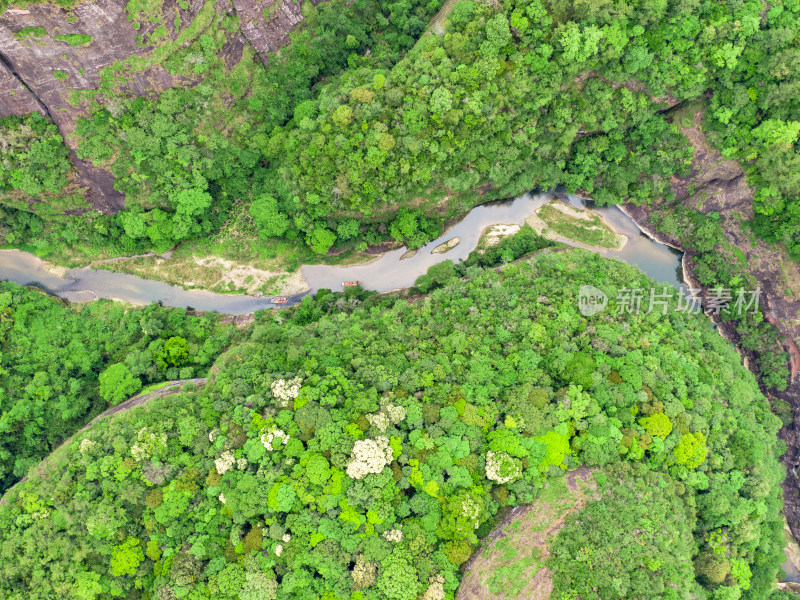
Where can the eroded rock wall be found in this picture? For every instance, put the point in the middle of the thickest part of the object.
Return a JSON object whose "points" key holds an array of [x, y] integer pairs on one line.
{"points": [[40, 73]]}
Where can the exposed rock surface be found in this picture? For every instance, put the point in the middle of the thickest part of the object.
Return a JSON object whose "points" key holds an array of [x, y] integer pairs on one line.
{"points": [[39, 73], [15, 98], [718, 185], [267, 23]]}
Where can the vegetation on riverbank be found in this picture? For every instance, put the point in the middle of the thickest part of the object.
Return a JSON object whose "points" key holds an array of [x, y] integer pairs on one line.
{"points": [[467, 114], [582, 226], [387, 146], [366, 430], [60, 366]]}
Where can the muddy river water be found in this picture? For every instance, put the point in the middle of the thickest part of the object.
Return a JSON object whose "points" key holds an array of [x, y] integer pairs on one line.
{"points": [[386, 273]]}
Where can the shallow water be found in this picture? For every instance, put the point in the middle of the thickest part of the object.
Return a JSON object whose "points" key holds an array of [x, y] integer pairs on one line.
{"points": [[390, 272], [382, 275], [792, 573], [80, 285]]}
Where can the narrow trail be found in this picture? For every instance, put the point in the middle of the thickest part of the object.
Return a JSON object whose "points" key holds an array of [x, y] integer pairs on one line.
{"points": [[172, 387]]}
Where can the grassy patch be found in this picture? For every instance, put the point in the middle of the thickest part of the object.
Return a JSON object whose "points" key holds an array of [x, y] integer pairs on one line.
{"points": [[31, 32], [74, 39], [148, 389], [139, 10], [584, 227], [513, 564]]}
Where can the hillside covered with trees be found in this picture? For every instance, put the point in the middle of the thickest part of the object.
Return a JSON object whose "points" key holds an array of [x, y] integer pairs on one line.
{"points": [[379, 122], [358, 446], [61, 366], [493, 100]]}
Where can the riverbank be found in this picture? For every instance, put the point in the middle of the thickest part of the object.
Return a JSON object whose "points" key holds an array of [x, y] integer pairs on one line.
{"points": [[211, 273], [791, 395], [395, 269]]}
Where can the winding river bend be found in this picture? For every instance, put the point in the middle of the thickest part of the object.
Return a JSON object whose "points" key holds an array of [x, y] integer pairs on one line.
{"points": [[387, 273]]}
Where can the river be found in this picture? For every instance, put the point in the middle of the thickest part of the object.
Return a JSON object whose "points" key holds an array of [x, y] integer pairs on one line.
{"points": [[388, 272], [384, 274]]}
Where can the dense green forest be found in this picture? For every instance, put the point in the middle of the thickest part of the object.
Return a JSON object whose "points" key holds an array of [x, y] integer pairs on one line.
{"points": [[358, 446], [509, 97], [33, 158], [60, 366], [190, 157]]}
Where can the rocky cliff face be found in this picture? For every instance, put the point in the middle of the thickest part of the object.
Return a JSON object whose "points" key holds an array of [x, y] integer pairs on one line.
{"points": [[718, 185], [267, 23], [15, 97], [39, 68]]}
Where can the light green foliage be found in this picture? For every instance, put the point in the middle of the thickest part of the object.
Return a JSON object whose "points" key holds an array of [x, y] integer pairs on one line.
{"points": [[633, 542], [173, 353], [126, 557], [398, 579], [556, 447], [691, 450], [74, 39], [318, 469], [231, 580], [657, 425], [320, 240], [282, 497], [269, 220], [117, 383]]}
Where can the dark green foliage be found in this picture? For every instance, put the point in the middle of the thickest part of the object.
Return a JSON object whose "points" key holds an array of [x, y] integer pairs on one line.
{"points": [[633, 542], [525, 241], [60, 365], [510, 97], [159, 149], [463, 401], [702, 235], [33, 158]]}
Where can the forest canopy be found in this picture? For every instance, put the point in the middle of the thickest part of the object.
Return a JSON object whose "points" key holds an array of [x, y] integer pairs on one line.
{"points": [[358, 446], [379, 118], [60, 366]]}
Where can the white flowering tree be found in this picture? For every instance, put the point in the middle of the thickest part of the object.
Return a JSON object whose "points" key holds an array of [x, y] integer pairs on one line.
{"points": [[285, 390], [501, 467], [369, 456]]}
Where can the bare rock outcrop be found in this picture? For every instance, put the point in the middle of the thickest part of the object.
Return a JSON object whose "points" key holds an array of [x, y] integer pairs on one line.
{"points": [[15, 98], [41, 70], [267, 23]]}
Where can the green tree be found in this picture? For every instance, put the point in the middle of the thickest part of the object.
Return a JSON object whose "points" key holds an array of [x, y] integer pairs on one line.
{"points": [[320, 240], [126, 557], [173, 353], [691, 450], [117, 383], [268, 218]]}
